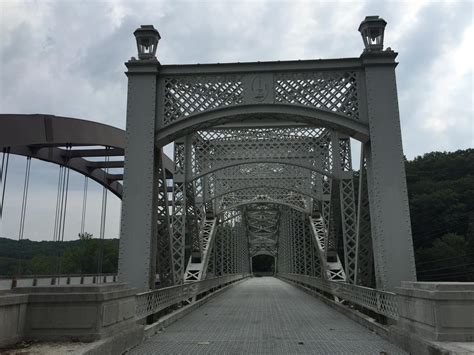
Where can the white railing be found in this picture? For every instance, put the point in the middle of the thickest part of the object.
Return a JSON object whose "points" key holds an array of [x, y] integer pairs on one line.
{"points": [[7, 283], [151, 302], [380, 302]]}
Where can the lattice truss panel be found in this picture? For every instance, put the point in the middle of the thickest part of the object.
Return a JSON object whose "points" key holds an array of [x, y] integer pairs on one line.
{"points": [[296, 248], [330, 262], [198, 264], [179, 213], [330, 91], [219, 148], [163, 234], [184, 96], [333, 91], [348, 211], [262, 228], [284, 264], [230, 251], [365, 262]]}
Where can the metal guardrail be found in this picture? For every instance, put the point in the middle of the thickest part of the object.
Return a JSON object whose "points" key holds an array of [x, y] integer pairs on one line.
{"points": [[151, 302], [48, 280], [381, 302]]}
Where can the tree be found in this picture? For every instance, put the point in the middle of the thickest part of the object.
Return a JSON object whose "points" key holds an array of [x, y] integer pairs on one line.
{"points": [[447, 260]]}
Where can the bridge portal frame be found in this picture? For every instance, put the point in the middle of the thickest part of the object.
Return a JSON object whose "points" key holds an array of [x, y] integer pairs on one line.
{"points": [[356, 97]]}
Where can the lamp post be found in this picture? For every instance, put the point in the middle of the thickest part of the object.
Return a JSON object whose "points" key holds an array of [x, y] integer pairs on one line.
{"points": [[147, 41], [372, 30]]}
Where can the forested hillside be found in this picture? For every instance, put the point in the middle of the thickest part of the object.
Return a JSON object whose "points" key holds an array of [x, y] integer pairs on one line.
{"points": [[441, 193], [81, 256]]}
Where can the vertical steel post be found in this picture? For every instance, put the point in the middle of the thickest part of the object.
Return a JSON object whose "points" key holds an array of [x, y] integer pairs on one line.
{"points": [[389, 211], [137, 255]]}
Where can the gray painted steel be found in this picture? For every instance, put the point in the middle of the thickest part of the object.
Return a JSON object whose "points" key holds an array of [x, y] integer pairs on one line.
{"points": [[272, 137], [265, 316], [388, 196], [137, 254]]}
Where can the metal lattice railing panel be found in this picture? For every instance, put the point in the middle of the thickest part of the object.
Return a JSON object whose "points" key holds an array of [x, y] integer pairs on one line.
{"points": [[151, 302], [381, 302]]}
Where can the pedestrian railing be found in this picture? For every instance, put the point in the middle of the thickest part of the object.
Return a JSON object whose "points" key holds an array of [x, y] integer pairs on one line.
{"points": [[380, 302], [154, 301], [7, 283]]}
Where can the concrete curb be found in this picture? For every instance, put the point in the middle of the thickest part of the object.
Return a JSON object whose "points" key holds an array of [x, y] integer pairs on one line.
{"points": [[116, 344]]}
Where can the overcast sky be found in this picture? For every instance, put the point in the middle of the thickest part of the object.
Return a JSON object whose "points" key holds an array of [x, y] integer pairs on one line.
{"points": [[66, 58]]}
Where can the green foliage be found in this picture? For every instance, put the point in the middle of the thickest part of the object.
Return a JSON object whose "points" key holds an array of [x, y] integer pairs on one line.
{"points": [[81, 256], [441, 196]]}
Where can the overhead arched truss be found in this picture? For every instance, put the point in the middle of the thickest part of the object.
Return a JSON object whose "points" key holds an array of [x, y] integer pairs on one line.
{"points": [[263, 194], [220, 148], [48, 137], [249, 114], [258, 175]]}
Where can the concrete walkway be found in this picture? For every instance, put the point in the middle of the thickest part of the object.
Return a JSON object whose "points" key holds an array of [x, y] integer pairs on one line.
{"points": [[265, 316]]}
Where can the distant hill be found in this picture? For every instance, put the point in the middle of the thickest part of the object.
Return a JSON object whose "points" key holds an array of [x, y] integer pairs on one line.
{"points": [[27, 257]]}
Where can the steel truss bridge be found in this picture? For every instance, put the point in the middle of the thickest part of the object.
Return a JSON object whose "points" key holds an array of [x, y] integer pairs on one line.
{"points": [[262, 155], [262, 165]]}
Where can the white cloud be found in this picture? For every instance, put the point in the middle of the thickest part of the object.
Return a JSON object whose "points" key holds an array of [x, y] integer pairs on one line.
{"points": [[66, 58]]}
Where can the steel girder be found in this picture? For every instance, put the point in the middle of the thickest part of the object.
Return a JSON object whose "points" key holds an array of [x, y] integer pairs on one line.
{"points": [[348, 208], [164, 239], [198, 265], [330, 263], [365, 263], [44, 137]]}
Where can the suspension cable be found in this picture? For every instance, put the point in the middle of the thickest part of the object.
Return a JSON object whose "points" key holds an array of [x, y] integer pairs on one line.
{"points": [[23, 212], [3, 177], [66, 190], [58, 202], [25, 198], [103, 214], [61, 207], [84, 205]]}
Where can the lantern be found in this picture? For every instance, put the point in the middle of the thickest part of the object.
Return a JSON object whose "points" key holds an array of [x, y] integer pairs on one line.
{"points": [[372, 31], [147, 41]]}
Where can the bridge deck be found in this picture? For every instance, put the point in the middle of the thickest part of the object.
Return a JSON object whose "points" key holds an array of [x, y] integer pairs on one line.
{"points": [[265, 316]]}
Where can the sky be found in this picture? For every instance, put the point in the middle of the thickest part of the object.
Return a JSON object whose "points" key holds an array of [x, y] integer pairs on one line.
{"points": [[66, 58]]}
